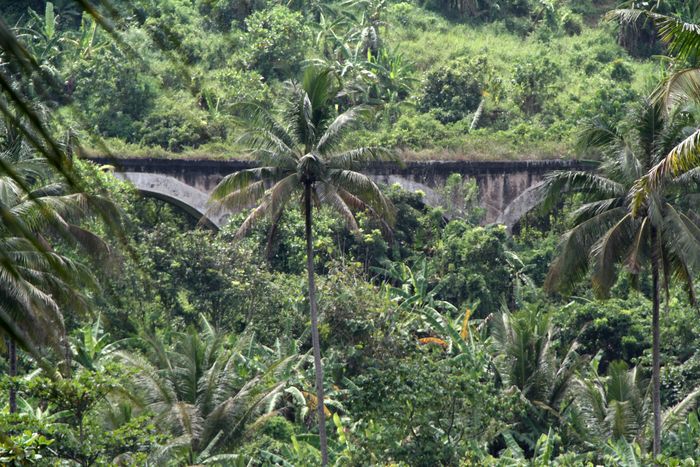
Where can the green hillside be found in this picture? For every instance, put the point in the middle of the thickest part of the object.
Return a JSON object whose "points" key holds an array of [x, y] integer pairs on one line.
{"points": [[445, 79]]}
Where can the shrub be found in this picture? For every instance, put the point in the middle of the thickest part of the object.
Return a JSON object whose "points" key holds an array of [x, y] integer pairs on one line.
{"points": [[621, 71], [220, 15], [617, 328], [452, 91], [572, 24], [176, 122], [416, 131], [610, 101], [533, 82], [423, 408], [464, 253], [275, 42], [116, 93], [223, 88]]}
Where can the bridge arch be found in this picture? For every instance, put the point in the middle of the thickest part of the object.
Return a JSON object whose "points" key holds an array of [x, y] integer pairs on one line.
{"points": [[195, 202], [520, 206], [171, 190], [505, 187]]}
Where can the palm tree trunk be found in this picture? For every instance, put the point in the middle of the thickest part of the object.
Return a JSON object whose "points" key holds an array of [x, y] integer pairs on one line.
{"points": [[12, 360], [314, 327], [656, 349]]}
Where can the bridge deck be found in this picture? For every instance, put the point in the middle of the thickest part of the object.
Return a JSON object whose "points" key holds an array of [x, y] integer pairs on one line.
{"points": [[216, 166]]}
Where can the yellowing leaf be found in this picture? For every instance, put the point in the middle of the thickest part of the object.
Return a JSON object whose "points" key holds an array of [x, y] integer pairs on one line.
{"points": [[465, 324], [433, 340]]}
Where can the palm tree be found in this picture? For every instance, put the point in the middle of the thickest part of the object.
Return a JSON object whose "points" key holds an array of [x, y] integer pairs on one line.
{"points": [[206, 390], [616, 406], [525, 356], [609, 230], [304, 156], [31, 293], [681, 87], [36, 281]]}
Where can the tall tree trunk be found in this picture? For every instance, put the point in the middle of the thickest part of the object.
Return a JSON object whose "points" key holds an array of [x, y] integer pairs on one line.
{"points": [[12, 361], [314, 326], [656, 349]]}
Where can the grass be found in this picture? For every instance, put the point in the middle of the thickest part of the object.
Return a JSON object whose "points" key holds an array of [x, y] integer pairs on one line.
{"points": [[586, 64]]}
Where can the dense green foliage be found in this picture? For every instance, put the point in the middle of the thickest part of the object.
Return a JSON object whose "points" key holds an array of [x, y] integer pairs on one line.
{"points": [[135, 336], [409, 378], [494, 79]]}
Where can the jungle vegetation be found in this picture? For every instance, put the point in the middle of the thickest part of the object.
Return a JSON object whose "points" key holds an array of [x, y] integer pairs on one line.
{"points": [[335, 321], [455, 79]]}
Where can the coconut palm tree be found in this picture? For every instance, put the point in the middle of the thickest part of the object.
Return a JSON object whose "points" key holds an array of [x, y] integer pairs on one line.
{"points": [[207, 390], [304, 159], [616, 406], [526, 359], [32, 296], [681, 87], [37, 283], [609, 230]]}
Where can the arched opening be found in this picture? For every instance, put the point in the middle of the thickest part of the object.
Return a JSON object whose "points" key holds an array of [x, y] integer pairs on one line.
{"points": [[172, 191]]}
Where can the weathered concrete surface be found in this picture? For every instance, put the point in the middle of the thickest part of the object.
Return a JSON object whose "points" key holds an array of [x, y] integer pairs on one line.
{"points": [[504, 186], [521, 205], [191, 199]]}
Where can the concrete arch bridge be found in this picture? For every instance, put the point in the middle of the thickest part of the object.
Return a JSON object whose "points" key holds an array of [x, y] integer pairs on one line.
{"points": [[505, 187]]}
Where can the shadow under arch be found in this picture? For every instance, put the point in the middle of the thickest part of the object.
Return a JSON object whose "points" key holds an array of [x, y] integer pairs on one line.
{"points": [[192, 201]]}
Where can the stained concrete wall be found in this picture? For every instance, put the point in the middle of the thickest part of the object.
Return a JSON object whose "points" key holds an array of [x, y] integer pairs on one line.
{"points": [[504, 186], [193, 199]]}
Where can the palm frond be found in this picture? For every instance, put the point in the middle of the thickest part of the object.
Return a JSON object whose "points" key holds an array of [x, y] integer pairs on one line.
{"points": [[239, 180], [572, 259], [319, 85], [239, 199], [272, 203], [681, 234], [263, 131], [353, 158], [356, 204], [336, 130], [304, 123], [638, 248], [589, 210], [626, 15], [282, 192], [676, 414], [329, 195], [597, 134], [682, 38], [679, 88], [682, 158], [365, 189], [607, 252], [593, 186]]}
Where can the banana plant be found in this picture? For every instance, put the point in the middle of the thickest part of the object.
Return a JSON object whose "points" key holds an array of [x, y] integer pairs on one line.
{"points": [[303, 449], [544, 456], [413, 294], [91, 345], [87, 41], [42, 38]]}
